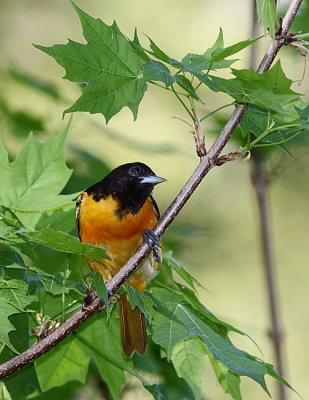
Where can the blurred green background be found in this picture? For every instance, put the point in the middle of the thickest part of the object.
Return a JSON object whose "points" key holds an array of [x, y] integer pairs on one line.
{"points": [[216, 235]]}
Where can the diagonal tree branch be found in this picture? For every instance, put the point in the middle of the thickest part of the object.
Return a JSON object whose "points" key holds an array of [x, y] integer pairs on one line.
{"points": [[206, 163]]}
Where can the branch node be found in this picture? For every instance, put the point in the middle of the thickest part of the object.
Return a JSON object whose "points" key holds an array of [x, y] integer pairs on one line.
{"points": [[228, 157], [297, 43]]}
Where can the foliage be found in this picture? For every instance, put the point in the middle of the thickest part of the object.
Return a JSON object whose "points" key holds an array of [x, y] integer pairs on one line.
{"points": [[114, 72], [37, 220]]}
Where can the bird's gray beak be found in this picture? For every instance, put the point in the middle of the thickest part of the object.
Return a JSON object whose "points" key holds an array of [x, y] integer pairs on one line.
{"points": [[152, 179]]}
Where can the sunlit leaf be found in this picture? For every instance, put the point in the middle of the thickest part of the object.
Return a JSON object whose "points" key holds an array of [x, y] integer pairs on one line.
{"points": [[188, 357], [35, 178], [107, 66]]}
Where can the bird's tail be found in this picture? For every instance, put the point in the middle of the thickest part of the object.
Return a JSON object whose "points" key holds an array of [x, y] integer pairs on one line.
{"points": [[132, 328]]}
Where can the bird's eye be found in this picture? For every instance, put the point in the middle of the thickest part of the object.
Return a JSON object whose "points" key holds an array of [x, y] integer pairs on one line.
{"points": [[135, 171]]}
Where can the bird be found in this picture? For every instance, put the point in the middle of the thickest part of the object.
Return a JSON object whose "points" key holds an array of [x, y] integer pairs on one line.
{"points": [[118, 213]]}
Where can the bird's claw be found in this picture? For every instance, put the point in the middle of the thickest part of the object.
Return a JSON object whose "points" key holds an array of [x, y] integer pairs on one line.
{"points": [[154, 242]]}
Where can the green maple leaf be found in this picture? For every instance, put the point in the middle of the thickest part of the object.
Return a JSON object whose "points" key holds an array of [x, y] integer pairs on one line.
{"points": [[24, 384], [255, 120], [175, 321], [269, 91], [214, 57], [188, 357], [98, 339], [108, 67], [14, 299], [67, 362], [35, 178]]}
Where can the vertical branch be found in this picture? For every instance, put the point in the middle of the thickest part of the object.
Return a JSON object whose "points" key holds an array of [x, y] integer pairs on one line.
{"points": [[260, 183]]}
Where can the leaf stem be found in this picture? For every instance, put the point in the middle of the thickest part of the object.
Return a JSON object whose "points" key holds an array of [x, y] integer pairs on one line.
{"points": [[218, 109], [281, 142], [184, 105], [269, 131], [167, 88]]}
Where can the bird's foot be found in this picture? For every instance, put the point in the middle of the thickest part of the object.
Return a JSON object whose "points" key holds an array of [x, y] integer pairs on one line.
{"points": [[154, 242]]}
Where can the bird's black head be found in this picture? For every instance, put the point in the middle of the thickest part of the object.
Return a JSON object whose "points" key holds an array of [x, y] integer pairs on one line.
{"points": [[130, 184]]}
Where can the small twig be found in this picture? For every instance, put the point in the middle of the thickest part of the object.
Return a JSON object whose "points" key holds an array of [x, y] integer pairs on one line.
{"points": [[205, 165], [198, 136], [183, 120], [295, 42], [196, 130], [228, 157]]}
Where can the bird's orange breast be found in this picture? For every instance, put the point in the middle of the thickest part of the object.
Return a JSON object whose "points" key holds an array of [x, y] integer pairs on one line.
{"points": [[100, 225]]}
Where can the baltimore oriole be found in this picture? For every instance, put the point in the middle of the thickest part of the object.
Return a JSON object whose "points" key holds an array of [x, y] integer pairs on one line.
{"points": [[117, 213]]}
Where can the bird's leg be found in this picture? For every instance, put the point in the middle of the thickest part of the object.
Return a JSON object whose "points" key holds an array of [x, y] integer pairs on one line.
{"points": [[154, 242]]}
